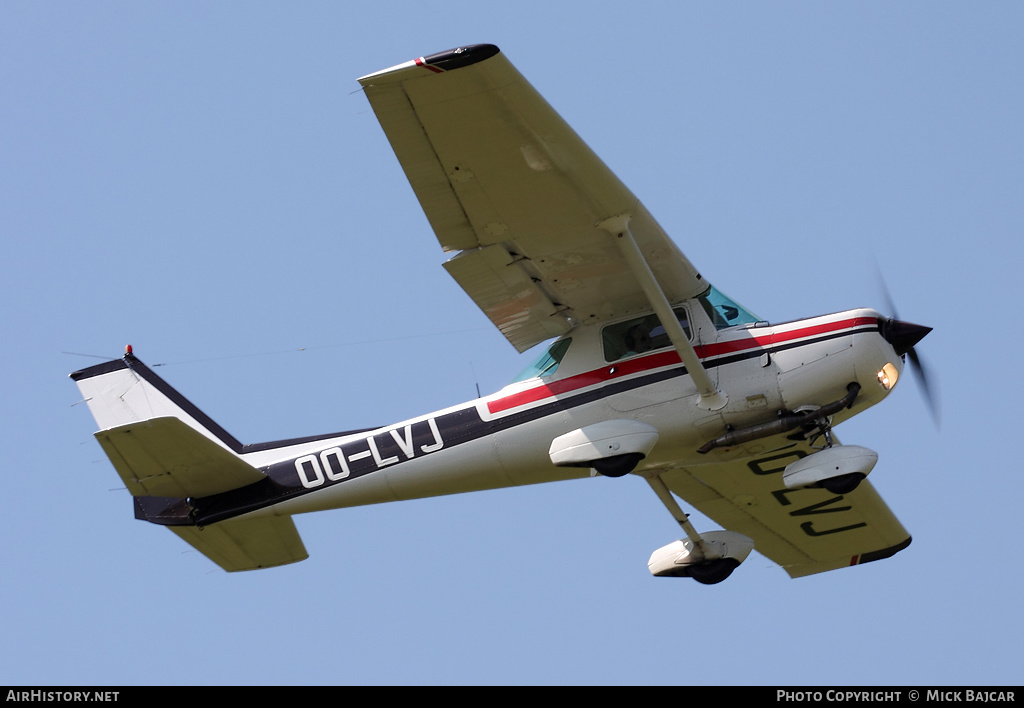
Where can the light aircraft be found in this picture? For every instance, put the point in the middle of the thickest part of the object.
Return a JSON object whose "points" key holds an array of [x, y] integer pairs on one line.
{"points": [[653, 372]]}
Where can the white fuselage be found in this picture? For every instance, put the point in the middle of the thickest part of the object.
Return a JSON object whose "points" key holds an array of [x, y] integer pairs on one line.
{"points": [[503, 439]]}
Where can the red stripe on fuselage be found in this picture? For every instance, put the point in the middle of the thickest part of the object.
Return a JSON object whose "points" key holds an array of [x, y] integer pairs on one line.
{"points": [[665, 358]]}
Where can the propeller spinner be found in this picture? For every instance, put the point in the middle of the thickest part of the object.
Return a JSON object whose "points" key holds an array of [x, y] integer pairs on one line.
{"points": [[903, 336]]}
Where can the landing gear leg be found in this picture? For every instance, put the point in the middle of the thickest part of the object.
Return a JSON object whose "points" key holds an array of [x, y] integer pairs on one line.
{"points": [[681, 517]]}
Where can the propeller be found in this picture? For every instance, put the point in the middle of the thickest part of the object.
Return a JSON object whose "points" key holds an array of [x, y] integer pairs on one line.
{"points": [[903, 336]]}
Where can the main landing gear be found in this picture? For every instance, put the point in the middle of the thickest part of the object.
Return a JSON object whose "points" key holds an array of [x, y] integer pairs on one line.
{"points": [[708, 558]]}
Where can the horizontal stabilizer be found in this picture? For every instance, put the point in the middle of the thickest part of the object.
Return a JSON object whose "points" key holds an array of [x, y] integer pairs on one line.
{"points": [[247, 543], [165, 457]]}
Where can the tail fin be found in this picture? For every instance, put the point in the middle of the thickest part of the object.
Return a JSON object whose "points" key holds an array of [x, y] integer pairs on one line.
{"points": [[126, 391], [163, 447]]}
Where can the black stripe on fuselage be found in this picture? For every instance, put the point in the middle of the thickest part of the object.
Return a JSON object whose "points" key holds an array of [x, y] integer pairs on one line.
{"points": [[455, 428]]}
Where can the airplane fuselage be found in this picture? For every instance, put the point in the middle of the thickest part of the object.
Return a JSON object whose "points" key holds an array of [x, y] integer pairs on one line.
{"points": [[503, 439]]}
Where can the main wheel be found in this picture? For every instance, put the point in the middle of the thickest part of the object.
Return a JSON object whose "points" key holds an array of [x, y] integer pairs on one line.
{"points": [[619, 465], [843, 484], [713, 572]]}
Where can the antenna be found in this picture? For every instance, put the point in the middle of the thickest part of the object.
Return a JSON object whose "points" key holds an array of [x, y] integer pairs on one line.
{"points": [[473, 369]]}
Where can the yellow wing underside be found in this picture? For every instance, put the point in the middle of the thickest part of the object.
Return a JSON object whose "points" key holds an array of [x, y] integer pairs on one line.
{"points": [[509, 186], [804, 530]]}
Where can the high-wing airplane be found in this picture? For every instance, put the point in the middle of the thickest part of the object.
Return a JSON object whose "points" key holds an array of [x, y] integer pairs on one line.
{"points": [[653, 372]]}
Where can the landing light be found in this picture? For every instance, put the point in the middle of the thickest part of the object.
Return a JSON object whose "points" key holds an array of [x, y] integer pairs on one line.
{"points": [[888, 376]]}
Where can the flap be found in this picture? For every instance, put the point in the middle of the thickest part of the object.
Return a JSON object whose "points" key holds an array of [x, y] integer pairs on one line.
{"points": [[510, 298]]}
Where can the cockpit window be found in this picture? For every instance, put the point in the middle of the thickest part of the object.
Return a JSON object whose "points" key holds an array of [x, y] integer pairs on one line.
{"points": [[639, 335], [723, 311], [547, 362]]}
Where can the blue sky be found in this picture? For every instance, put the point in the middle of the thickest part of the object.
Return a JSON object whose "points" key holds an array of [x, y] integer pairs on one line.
{"points": [[205, 182]]}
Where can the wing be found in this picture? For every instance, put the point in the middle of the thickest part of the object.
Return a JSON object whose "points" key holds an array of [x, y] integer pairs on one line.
{"points": [[506, 183], [805, 531]]}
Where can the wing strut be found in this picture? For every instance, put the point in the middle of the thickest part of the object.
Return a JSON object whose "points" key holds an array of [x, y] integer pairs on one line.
{"points": [[618, 226], [681, 517]]}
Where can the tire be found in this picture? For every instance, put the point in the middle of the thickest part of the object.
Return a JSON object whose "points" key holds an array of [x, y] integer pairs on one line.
{"points": [[713, 572], [843, 484], [618, 466]]}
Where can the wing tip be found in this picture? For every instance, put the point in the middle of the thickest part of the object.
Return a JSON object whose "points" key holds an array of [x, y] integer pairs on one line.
{"points": [[437, 63], [881, 554], [801, 570], [461, 56]]}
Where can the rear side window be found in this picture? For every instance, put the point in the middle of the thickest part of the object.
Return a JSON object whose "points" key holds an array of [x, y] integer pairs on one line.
{"points": [[547, 362], [639, 335]]}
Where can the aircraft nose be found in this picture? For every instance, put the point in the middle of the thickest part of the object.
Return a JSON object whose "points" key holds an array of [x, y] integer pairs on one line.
{"points": [[903, 335]]}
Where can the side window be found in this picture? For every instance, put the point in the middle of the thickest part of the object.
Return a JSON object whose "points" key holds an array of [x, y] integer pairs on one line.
{"points": [[547, 362], [639, 335]]}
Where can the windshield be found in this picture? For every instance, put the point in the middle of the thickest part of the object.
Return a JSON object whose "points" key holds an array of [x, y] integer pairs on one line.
{"points": [[724, 312], [547, 362]]}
